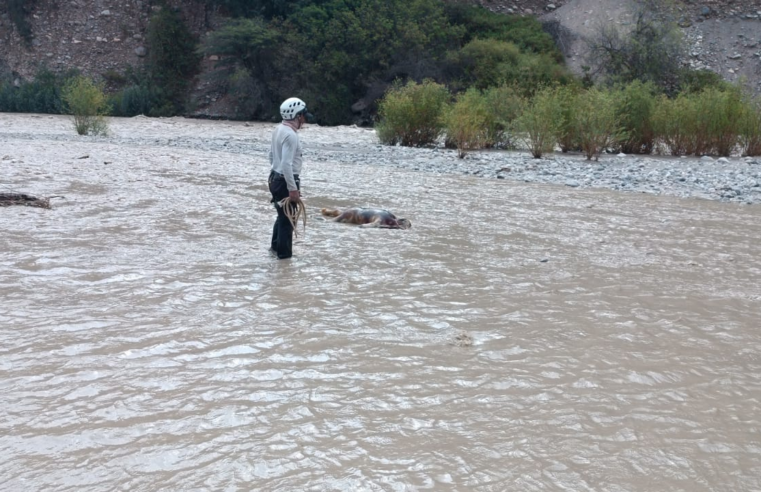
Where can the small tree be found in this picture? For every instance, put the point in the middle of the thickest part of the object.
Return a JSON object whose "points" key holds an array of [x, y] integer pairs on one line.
{"points": [[504, 105], [634, 110], [673, 124], [540, 122], [750, 127], [467, 122], [596, 123], [721, 111], [172, 59], [253, 46], [87, 102], [410, 114], [566, 99], [652, 49]]}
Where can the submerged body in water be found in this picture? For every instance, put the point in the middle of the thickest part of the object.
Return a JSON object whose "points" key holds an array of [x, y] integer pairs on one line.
{"points": [[367, 217]]}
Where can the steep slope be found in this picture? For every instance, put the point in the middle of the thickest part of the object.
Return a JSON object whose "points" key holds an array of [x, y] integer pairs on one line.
{"points": [[722, 36], [95, 36]]}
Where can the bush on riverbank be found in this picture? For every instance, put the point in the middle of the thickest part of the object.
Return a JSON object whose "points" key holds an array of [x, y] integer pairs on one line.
{"points": [[634, 106], [467, 121], [41, 95], [411, 114], [539, 124], [630, 119], [750, 127], [86, 101], [595, 121]]}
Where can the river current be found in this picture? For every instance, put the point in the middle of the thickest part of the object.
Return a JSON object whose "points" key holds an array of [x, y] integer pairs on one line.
{"points": [[520, 337]]}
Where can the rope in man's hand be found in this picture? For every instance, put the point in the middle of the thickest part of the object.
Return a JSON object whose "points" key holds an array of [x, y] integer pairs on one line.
{"points": [[294, 209]]}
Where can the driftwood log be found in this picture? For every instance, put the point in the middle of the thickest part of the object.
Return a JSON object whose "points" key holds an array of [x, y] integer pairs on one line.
{"points": [[8, 199]]}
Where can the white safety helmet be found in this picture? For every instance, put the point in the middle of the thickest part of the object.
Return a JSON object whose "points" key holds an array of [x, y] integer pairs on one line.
{"points": [[292, 107]]}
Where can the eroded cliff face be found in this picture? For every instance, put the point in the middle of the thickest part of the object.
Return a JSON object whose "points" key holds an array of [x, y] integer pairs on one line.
{"points": [[723, 36], [95, 36]]}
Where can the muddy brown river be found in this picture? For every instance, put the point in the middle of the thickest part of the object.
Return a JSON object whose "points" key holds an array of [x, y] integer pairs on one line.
{"points": [[520, 337]]}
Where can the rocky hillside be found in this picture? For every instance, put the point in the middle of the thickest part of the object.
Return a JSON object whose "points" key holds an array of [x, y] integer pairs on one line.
{"points": [[98, 36]]}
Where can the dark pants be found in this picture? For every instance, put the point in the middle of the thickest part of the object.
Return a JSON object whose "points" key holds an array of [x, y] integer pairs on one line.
{"points": [[282, 232]]}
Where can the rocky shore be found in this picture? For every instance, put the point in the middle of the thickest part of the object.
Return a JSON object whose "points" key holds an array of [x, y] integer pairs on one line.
{"points": [[736, 179], [728, 180]]}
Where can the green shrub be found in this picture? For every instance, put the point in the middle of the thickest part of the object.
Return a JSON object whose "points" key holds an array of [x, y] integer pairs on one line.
{"points": [[565, 98], [19, 10], [525, 32], [505, 105], [87, 102], [114, 78], [135, 100], [634, 110], [673, 123], [252, 8], [410, 114], [750, 127], [537, 71], [487, 62], [467, 121], [719, 112], [539, 123], [172, 58], [695, 81], [41, 95], [595, 121]]}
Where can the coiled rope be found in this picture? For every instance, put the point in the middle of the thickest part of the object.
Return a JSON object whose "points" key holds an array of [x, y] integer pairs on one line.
{"points": [[294, 209]]}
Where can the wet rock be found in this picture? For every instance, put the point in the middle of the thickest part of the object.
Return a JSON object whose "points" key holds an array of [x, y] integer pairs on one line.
{"points": [[463, 339]]}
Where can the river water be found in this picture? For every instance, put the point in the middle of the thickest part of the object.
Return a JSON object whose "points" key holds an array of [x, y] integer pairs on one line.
{"points": [[519, 337]]}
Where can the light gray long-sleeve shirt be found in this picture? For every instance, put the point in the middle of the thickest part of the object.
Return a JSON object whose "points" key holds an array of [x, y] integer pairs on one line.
{"points": [[285, 154]]}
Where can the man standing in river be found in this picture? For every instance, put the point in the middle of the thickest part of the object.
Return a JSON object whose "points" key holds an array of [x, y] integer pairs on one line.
{"points": [[286, 161]]}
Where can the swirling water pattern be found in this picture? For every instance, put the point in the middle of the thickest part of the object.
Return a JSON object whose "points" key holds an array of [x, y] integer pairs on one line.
{"points": [[148, 341]]}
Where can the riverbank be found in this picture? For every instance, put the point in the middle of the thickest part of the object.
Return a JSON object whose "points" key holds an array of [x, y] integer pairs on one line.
{"points": [[735, 179]]}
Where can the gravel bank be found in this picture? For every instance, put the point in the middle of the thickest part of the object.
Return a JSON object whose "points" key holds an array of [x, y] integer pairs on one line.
{"points": [[730, 180], [735, 179]]}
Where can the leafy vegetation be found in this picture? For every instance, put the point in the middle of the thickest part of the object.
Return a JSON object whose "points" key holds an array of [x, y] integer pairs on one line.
{"points": [[18, 11], [332, 53], [595, 121], [467, 121], [504, 105], [172, 57], [411, 114], [86, 101], [634, 106], [651, 51], [540, 122], [41, 95], [750, 127]]}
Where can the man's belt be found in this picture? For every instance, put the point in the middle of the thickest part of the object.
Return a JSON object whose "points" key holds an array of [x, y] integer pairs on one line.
{"points": [[278, 175]]}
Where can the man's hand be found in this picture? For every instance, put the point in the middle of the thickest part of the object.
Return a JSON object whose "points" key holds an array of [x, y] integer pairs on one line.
{"points": [[294, 194]]}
